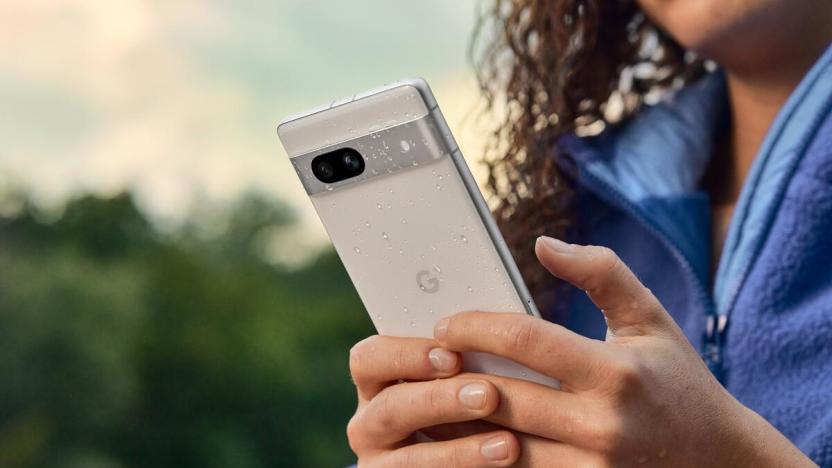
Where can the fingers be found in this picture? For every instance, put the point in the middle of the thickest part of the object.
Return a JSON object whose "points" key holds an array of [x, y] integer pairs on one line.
{"points": [[378, 361], [539, 410], [630, 308], [493, 449], [537, 451], [400, 410], [539, 345], [482, 450]]}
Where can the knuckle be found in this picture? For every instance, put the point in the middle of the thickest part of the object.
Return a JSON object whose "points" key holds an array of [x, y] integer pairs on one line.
{"points": [[624, 379], [606, 437], [435, 398], [627, 373], [355, 433], [458, 456], [359, 356], [400, 356], [383, 412], [605, 261], [406, 460], [377, 417], [523, 335]]}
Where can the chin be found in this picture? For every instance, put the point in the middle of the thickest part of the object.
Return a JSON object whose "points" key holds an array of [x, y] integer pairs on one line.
{"points": [[710, 27]]}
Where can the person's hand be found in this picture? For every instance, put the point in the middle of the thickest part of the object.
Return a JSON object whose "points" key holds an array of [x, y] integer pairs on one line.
{"points": [[383, 431], [643, 397]]}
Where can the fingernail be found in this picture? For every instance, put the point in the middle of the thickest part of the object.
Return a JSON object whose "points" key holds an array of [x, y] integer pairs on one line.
{"points": [[556, 245], [440, 329], [442, 360], [473, 395], [494, 449]]}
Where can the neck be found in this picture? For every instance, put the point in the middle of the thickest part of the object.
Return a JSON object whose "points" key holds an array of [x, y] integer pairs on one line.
{"points": [[755, 98]]}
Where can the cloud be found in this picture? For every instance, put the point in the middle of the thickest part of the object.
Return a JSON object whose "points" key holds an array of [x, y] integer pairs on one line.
{"points": [[177, 100]]}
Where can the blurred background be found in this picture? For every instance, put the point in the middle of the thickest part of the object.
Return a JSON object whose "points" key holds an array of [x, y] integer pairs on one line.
{"points": [[167, 294]]}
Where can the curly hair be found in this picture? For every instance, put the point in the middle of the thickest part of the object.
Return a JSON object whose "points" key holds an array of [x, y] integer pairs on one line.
{"points": [[551, 67]]}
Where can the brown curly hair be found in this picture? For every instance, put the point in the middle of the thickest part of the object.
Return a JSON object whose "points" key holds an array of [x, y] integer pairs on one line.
{"points": [[550, 67]]}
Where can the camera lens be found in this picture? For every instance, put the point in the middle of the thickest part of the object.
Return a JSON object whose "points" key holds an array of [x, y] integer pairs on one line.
{"points": [[351, 161], [338, 165], [323, 170]]}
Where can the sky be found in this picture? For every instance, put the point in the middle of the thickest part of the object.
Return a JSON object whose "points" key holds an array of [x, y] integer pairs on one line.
{"points": [[177, 100]]}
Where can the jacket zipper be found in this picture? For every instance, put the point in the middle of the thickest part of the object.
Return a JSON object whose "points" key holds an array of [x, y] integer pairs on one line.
{"points": [[716, 324]]}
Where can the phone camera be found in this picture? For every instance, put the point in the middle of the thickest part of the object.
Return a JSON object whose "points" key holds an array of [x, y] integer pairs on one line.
{"points": [[338, 165], [323, 171], [352, 162]]}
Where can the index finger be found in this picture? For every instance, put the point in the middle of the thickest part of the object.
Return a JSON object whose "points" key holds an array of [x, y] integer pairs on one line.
{"points": [[379, 361], [539, 345]]}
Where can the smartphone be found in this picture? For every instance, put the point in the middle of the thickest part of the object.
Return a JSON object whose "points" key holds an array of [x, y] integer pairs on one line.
{"points": [[406, 217]]}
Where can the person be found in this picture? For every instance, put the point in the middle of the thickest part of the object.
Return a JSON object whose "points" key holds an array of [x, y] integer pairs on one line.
{"points": [[684, 148]]}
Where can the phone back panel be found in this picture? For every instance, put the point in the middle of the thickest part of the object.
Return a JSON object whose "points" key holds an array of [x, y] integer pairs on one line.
{"points": [[416, 248], [412, 231]]}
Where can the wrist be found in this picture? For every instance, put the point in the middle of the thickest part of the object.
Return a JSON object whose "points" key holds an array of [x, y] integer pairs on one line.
{"points": [[749, 440]]}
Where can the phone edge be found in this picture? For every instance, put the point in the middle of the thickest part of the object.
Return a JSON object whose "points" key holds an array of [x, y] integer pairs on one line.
{"points": [[476, 196]]}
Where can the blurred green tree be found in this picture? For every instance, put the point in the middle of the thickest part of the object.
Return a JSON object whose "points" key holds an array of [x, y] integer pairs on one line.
{"points": [[121, 346]]}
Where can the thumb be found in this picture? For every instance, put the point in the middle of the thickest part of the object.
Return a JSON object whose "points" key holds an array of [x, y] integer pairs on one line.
{"points": [[629, 307]]}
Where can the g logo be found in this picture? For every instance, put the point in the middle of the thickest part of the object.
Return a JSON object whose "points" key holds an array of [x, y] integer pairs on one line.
{"points": [[427, 282]]}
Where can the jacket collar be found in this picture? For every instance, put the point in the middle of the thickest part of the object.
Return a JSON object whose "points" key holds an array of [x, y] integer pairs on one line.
{"points": [[664, 150]]}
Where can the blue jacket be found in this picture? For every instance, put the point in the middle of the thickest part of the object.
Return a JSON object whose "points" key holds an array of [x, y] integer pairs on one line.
{"points": [[764, 323]]}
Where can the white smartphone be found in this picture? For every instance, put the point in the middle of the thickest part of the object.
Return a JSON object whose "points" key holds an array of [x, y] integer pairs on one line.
{"points": [[405, 215]]}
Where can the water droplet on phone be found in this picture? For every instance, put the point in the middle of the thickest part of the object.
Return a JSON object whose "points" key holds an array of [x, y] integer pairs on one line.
{"points": [[385, 236], [440, 177], [378, 205], [438, 187], [470, 289], [401, 251], [405, 146], [367, 224], [412, 323], [375, 171], [438, 270], [464, 239], [642, 460], [430, 311], [414, 163], [406, 310], [357, 250], [328, 188], [404, 221]]}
